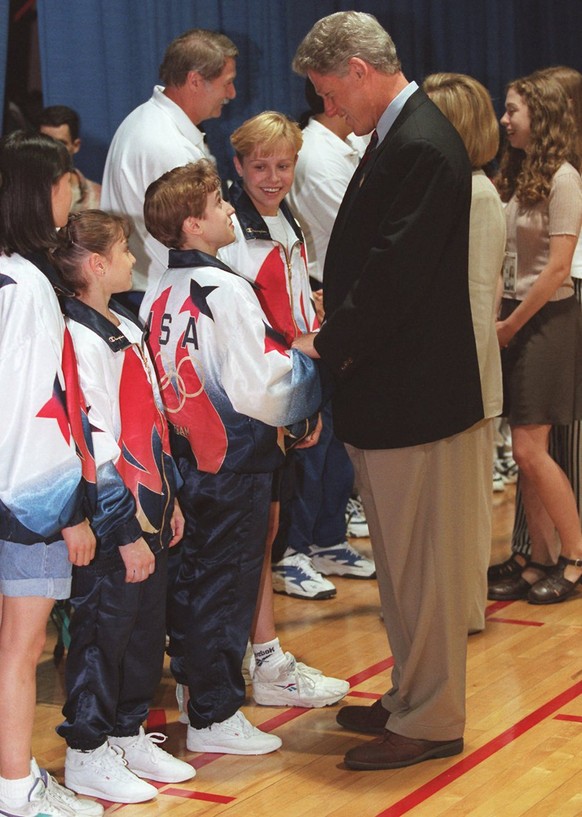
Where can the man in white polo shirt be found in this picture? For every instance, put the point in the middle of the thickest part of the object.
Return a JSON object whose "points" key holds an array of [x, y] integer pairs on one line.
{"points": [[198, 73]]}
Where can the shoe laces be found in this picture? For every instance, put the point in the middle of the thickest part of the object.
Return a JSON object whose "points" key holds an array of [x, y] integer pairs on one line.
{"points": [[111, 759], [54, 795], [237, 724], [343, 550], [349, 548], [355, 510], [304, 563], [150, 743], [303, 675]]}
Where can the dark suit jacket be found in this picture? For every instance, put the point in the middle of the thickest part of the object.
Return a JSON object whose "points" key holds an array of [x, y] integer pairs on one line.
{"points": [[398, 332]]}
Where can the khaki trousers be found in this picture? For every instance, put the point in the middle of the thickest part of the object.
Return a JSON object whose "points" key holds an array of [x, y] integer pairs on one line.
{"points": [[425, 506]]}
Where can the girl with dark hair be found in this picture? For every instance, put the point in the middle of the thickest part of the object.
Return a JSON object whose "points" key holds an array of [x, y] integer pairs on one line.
{"points": [[43, 525], [115, 658], [540, 329]]}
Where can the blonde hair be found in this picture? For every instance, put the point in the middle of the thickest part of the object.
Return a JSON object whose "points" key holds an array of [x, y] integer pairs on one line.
{"points": [[467, 104], [175, 196], [571, 82], [528, 175], [90, 231], [263, 132]]}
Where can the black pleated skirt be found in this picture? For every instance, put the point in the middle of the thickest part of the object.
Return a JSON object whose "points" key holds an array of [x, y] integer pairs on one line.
{"points": [[542, 366]]}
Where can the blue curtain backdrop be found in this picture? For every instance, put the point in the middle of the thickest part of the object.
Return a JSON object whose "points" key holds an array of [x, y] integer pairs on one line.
{"points": [[4, 15], [101, 57]]}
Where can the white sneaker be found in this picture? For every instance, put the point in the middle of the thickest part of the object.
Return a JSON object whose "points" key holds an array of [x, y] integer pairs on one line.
{"points": [[145, 758], [182, 706], [342, 560], [104, 773], [508, 469], [296, 684], [296, 576], [234, 736], [498, 481], [60, 795], [48, 797], [357, 523]]}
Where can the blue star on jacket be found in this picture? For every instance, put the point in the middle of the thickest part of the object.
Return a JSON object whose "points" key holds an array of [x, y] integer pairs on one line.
{"points": [[199, 298]]}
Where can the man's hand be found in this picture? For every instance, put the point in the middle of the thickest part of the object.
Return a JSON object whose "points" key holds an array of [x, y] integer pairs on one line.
{"points": [[139, 561], [80, 542], [305, 344], [177, 524]]}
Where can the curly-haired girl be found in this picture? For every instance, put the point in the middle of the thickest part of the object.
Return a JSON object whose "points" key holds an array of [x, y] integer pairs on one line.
{"points": [[540, 329]]}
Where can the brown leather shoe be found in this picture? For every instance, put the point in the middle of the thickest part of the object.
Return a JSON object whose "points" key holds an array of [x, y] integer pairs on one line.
{"points": [[392, 751], [508, 569], [511, 589], [369, 720], [556, 587], [516, 587]]}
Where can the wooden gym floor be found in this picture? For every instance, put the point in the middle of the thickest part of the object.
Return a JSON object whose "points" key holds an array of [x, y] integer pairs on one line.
{"points": [[523, 742]]}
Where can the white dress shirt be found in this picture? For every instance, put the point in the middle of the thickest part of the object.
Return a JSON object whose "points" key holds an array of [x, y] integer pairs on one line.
{"points": [[154, 138]]}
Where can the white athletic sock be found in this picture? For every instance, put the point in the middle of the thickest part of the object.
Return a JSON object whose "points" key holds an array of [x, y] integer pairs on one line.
{"points": [[15, 793], [269, 658]]}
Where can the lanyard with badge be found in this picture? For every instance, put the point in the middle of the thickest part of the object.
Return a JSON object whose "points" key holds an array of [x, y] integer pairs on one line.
{"points": [[510, 273]]}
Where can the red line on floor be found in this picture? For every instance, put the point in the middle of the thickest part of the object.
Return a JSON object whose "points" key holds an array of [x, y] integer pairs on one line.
{"points": [[375, 669], [472, 760], [572, 718], [156, 720], [204, 759], [282, 718], [355, 693], [199, 795], [495, 606], [267, 726], [517, 621], [294, 712]]}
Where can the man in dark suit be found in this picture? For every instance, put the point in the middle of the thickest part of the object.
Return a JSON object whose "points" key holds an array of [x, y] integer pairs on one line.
{"points": [[399, 338]]}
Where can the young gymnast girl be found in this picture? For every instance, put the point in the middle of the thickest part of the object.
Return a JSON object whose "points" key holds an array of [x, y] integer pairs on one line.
{"points": [[115, 659], [43, 525]]}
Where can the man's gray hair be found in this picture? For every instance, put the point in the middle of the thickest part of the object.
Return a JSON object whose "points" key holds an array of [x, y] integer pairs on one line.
{"points": [[196, 50], [333, 40]]}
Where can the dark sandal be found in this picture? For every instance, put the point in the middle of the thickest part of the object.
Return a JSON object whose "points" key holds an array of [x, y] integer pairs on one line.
{"points": [[555, 587], [516, 587], [507, 569]]}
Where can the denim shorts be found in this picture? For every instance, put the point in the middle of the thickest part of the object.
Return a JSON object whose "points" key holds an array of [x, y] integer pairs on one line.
{"points": [[35, 570]]}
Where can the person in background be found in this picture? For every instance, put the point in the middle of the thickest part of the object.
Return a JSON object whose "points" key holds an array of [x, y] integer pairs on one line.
{"points": [[63, 123], [329, 155], [540, 326], [565, 443], [198, 73], [467, 104], [270, 251]]}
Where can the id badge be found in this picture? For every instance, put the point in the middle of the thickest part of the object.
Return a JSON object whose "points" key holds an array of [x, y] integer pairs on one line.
{"points": [[510, 273]]}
